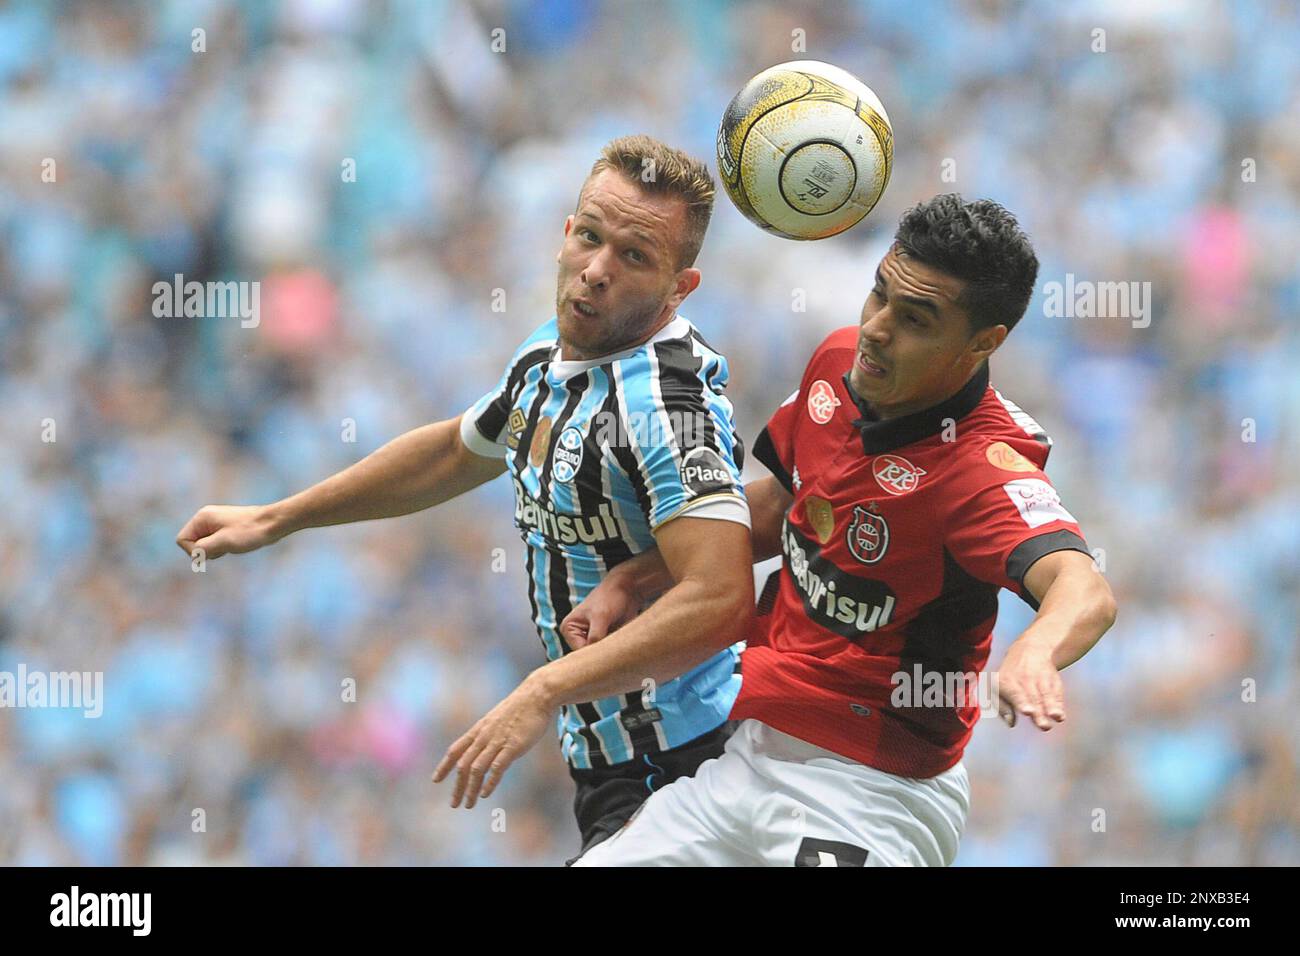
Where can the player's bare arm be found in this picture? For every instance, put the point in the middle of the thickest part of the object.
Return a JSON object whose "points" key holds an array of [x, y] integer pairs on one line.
{"points": [[707, 609], [635, 583], [419, 469], [1076, 608]]}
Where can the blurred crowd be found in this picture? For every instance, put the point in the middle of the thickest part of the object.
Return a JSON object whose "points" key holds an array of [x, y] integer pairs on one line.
{"points": [[391, 171]]}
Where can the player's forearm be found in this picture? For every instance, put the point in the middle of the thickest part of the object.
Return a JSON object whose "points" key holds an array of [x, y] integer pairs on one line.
{"points": [[417, 470], [1076, 610], [768, 504], [689, 624], [646, 576]]}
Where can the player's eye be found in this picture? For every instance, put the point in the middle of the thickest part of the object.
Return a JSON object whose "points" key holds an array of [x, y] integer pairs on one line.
{"points": [[588, 235], [636, 255], [914, 320]]}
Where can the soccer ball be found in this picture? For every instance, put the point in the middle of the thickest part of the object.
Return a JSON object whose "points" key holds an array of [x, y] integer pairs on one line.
{"points": [[805, 150]]}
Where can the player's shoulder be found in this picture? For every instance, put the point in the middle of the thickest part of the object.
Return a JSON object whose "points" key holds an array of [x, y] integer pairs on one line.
{"points": [[998, 442], [542, 339], [677, 358], [840, 340]]}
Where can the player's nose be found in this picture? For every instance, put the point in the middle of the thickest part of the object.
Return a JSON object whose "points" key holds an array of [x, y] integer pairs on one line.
{"points": [[876, 325], [597, 272]]}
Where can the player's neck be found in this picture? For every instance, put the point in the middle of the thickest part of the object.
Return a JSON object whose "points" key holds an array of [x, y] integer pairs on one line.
{"points": [[881, 413], [571, 353]]}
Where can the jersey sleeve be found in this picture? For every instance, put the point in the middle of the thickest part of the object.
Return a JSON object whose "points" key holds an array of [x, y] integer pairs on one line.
{"points": [[774, 446], [685, 456], [1009, 521], [483, 426]]}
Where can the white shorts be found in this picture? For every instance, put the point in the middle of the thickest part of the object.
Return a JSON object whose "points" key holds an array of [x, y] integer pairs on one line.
{"points": [[774, 800]]}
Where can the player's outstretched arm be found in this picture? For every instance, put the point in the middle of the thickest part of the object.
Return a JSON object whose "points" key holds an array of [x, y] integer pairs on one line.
{"points": [[708, 608], [1076, 608], [424, 467], [636, 582]]}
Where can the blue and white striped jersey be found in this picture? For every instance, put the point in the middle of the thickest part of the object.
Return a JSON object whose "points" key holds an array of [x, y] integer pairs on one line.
{"points": [[601, 453]]}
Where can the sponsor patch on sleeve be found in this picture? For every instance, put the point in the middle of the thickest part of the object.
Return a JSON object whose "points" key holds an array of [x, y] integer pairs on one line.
{"points": [[705, 473], [1001, 455], [1037, 502]]}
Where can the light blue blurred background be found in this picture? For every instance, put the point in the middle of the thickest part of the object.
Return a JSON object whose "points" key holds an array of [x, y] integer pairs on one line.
{"points": [[222, 689]]}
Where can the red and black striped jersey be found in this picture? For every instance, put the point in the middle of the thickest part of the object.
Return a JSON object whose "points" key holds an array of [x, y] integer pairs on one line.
{"points": [[900, 535]]}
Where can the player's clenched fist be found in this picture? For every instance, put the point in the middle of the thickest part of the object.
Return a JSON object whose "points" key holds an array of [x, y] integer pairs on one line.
{"points": [[228, 529], [603, 611]]}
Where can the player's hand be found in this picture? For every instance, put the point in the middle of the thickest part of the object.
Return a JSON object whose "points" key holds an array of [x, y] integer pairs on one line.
{"points": [[509, 731], [1028, 683], [227, 529], [605, 610]]}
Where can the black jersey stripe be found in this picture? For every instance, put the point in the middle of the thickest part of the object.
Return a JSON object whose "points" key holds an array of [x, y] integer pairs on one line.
{"points": [[682, 389], [562, 603], [587, 483], [531, 567], [534, 413], [714, 384], [497, 413], [575, 387], [765, 451], [718, 386], [936, 637], [622, 450]]}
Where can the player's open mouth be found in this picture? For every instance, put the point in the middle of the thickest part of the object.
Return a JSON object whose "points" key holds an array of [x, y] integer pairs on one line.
{"points": [[583, 309], [869, 367]]}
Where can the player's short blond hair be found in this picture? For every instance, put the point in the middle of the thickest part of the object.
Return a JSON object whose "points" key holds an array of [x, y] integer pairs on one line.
{"points": [[661, 170]]}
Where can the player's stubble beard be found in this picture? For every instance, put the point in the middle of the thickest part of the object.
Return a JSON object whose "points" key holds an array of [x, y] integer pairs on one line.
{"points": [[583, 342]]}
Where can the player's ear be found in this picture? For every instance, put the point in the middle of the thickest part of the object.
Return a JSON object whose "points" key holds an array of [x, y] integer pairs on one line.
{"points": [[688, 280], [568, 228], [987, 340]]}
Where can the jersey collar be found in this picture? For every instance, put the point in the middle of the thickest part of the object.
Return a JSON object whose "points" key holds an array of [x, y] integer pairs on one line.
{"points": [[676, 328], [881, 436]]}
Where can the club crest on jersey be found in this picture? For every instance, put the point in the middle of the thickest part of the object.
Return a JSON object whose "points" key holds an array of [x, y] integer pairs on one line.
{"points": [[567, 457], [515, 428], [541, 443], [703, 473], [868, 535], [896, 475], [1001, 455], [822, 402]]}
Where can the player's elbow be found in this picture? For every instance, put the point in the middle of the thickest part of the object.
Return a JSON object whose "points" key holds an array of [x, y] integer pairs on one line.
{"points": [[1104, 607], [734, 612], [724, 609]]}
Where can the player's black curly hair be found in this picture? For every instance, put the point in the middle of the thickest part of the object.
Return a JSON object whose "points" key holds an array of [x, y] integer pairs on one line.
{"points": [[981, 243]]}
